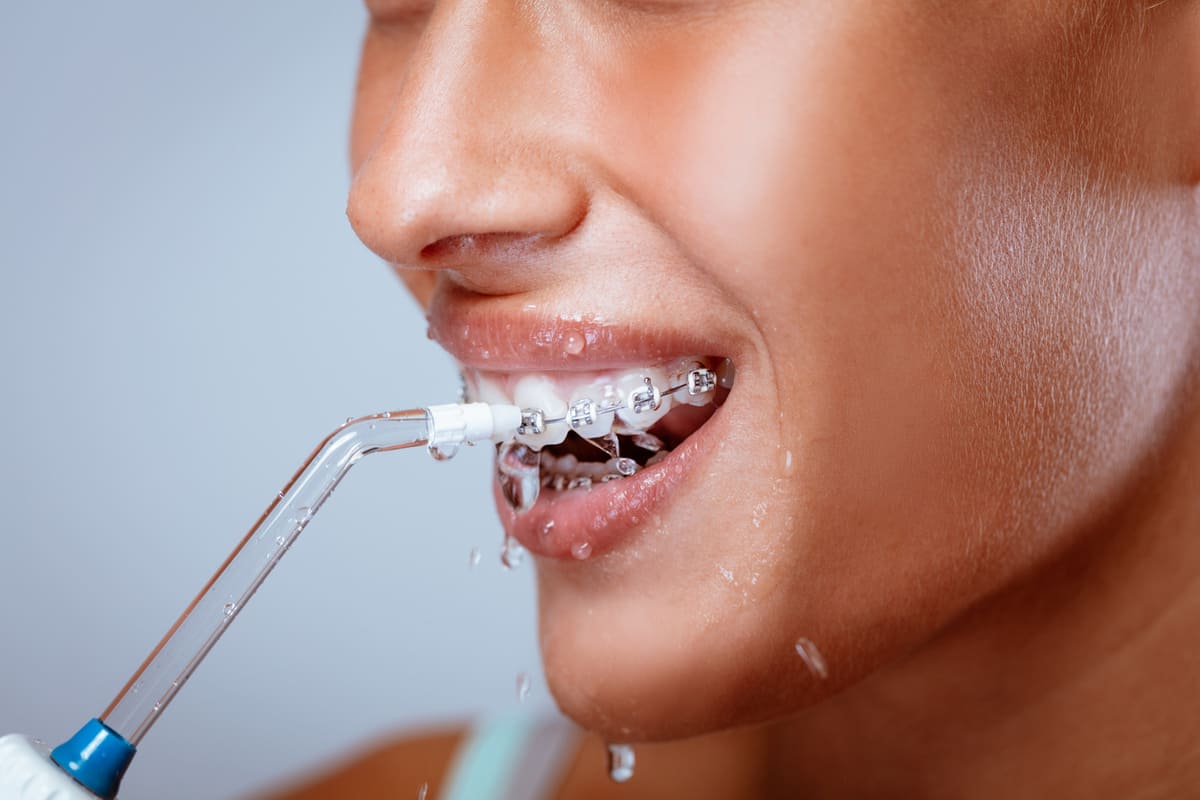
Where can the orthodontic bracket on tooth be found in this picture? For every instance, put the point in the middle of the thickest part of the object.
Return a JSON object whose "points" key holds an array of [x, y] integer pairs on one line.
{"points": [[648, 398], [585, 412], [700, 381], [533, 422]]}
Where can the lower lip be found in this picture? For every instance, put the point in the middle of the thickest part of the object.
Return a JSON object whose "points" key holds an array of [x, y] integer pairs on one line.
{"points": [[583, 523]]}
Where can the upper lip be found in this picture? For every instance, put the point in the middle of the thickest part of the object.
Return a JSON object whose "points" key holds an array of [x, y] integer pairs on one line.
{"points": [[508, 333]]}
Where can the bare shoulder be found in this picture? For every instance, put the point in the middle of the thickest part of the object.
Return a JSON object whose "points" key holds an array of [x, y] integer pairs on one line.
{"points": [[394, 767], [709, 767]]}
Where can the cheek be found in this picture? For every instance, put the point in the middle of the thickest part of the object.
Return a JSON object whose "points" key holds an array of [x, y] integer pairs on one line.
{"points": [[971, 352]]}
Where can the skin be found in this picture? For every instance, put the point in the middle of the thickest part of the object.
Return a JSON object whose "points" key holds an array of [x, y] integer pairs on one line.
{"points": [[954, 249]]}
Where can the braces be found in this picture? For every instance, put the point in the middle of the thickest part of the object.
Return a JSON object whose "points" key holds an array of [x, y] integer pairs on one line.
{"points": [[586, 411]]}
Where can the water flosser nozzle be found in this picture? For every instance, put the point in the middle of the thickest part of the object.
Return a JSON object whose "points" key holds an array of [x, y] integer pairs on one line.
{"points": [[92, 762]]}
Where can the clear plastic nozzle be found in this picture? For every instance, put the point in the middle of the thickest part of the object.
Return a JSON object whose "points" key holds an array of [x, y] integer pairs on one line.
{"points": [[442, 428]]}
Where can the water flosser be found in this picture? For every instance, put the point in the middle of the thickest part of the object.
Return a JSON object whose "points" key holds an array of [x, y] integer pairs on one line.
{"points": [[90, 764]]}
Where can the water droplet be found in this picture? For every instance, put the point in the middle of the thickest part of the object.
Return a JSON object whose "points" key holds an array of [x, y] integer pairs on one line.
{"points": [[518, 472], [423, 791], [522, 686], [574, 343], [581, 550], [787, 461], [512, 554], [546, 529], [623, 466], [443, 452], [387, 415], [812, 658], [474, 557], [279, 540], [158, 707], [621, 762], [349, 420], [230, 608]]}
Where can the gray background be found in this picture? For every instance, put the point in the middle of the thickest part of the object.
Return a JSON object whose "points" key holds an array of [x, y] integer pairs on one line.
{"points": [[184, 312]]}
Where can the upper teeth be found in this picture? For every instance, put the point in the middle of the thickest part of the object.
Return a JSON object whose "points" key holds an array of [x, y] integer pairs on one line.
{"points": [[587, 404]]}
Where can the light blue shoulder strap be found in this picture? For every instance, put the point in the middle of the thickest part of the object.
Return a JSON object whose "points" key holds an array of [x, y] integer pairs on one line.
{"points": [[511, 758]]}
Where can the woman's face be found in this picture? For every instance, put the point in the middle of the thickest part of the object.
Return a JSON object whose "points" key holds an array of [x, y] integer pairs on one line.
{"points": [[942, 243]]}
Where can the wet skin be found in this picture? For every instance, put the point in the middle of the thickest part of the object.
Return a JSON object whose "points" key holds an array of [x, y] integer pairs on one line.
{"points": [[953, 250]]}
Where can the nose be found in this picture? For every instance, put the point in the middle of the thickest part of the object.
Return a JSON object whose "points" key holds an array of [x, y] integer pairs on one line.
{"points": [[470, 161]]}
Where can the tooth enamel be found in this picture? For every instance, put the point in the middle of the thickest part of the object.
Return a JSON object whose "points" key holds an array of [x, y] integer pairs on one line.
{"points": [[657, 457], [648, 441], [679, 377], [488, 391], [538, 392], [630, 387], [587, 403], [601, 396], [725, 374]]}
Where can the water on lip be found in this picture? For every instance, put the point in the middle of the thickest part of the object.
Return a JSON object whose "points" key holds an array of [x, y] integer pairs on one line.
{"points": [[812, 658]]}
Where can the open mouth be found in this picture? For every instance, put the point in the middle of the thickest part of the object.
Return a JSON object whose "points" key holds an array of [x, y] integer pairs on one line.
{"points": [[587, 428]]}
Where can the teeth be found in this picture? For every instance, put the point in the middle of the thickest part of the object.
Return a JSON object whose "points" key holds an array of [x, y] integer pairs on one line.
{"points": [[538, 392], [593, 422], [726, 374], [644, 404], [597, 406], [648, 441], [679, 377]]}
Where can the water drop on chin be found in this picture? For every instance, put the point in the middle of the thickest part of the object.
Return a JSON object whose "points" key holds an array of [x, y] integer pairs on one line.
{"points": [[423, 791], [581, 550], [621, 762], [518, 471]]}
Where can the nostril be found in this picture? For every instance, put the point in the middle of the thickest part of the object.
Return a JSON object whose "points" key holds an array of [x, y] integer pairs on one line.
{"points": [[451, 248]]}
